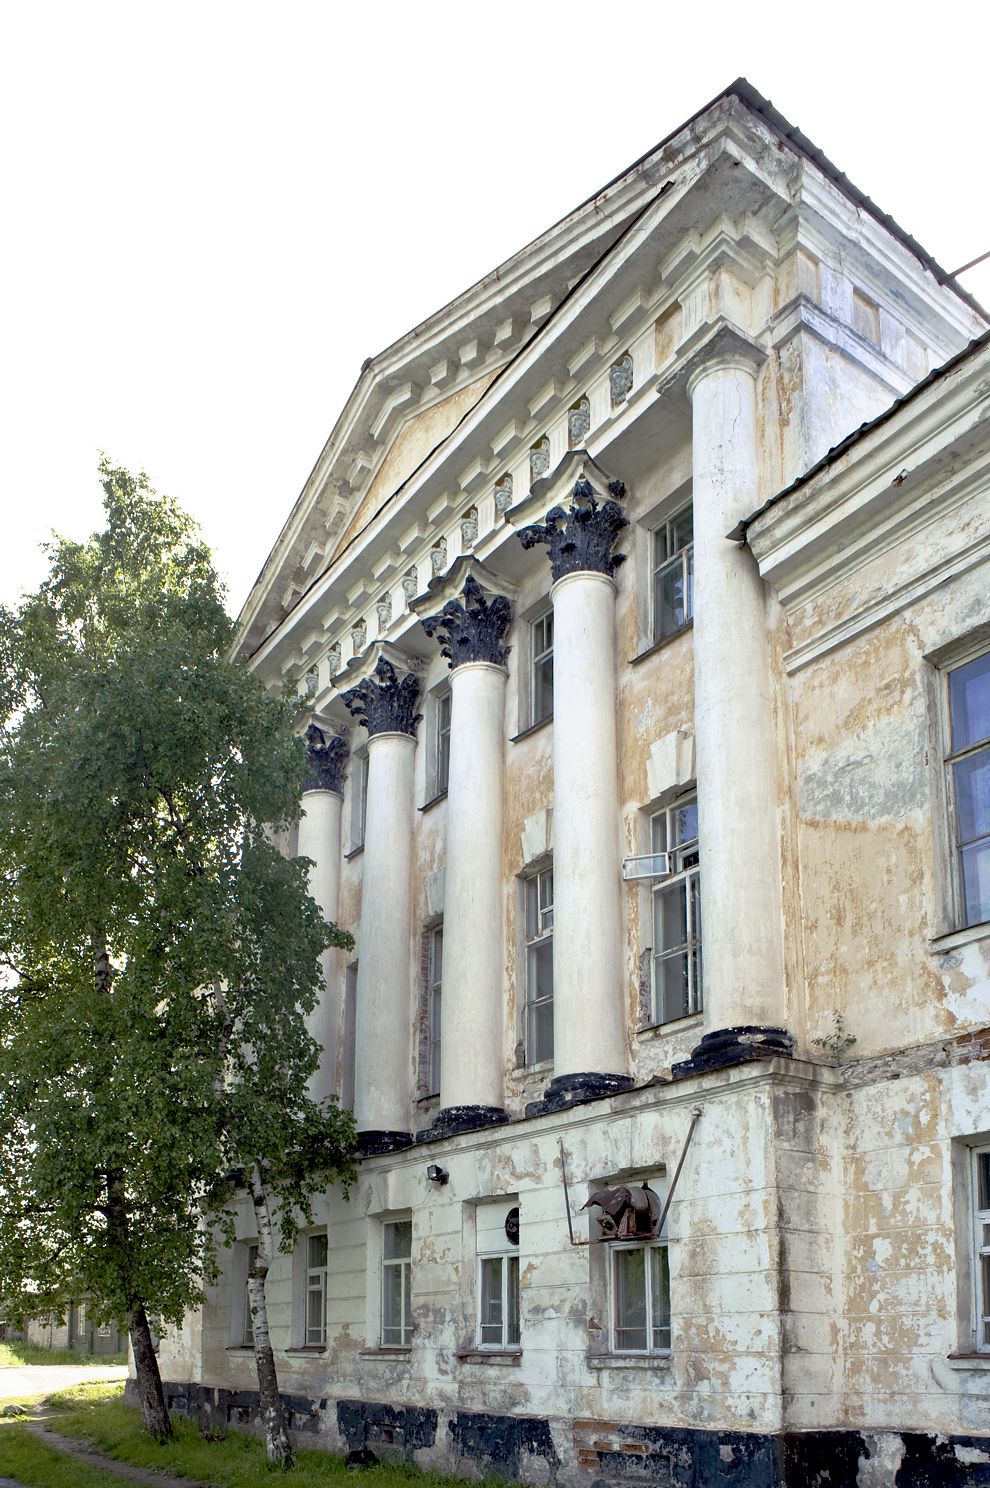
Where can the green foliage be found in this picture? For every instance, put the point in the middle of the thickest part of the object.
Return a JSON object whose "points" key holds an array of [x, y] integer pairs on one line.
{"points": [[838, 1042], [139, 767], [18, 1353]]}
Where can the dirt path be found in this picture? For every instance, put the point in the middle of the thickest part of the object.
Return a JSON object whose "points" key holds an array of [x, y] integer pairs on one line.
{"points": [[142, 1475]]}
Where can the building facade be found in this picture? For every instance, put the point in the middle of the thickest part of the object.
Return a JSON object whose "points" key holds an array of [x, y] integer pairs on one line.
{"points": [[640, 601]]}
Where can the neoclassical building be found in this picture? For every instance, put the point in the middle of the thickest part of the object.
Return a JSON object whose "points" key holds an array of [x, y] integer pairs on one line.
{"points": [[641, 603]]}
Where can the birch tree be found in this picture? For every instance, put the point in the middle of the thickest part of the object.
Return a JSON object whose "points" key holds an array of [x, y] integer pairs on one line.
{"points": [[139, 768]]}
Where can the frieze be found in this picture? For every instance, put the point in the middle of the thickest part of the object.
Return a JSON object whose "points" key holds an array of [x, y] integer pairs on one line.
{"points": [[472, 630], [580, 540], [326, 761], [384, 703]]}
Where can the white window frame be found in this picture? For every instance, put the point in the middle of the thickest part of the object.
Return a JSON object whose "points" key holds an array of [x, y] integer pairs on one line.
{"points": [[441, 742], [538, 934], [654, 1345], [247, 1331], [494, 1248], [540, 654], [674, 559], [359, 798], [402, 1264], [980, 1190], [684, 875], [315, 1336], [434, 1003], [954, 760]]}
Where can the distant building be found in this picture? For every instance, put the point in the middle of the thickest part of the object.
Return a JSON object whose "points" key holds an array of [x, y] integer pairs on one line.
{"points": [[704, 832]]}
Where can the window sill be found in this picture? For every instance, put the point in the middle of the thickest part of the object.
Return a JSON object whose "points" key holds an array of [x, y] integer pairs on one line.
{"points": [[241, 1348], [307, 1348], [433, 801], [503, 1357], [963, 937], [673, 1025], [354, 852], [661, 644], [383, 1351], [629, 1361], [969, 1361], [534, 728]]}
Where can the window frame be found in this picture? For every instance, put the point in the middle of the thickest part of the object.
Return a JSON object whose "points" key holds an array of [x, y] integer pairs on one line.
{"points": [[359, 799], [403, 1264], [652, 1349], [493, 1245], [685, 854], [247, 1329], [320, 1272], [980, 1212], [441, 741], [682, 557], [535, 940], [540, 655], [952, 759]]}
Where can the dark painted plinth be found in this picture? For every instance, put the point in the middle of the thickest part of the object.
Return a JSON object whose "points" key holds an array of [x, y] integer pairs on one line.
{"points": [[742, 1045], [577, 1090], [451, 1120], [372, 1143]]}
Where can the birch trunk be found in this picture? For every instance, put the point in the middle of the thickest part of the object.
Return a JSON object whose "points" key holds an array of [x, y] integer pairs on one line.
{"points": [[278, 1448]]}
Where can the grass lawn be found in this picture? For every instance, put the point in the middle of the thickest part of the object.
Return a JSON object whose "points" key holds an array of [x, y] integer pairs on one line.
{"points": [[97, 1415], [13, 1351]]}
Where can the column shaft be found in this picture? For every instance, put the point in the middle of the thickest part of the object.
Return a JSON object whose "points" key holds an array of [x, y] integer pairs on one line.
{"points": [[471, 1045], [319, 840], [737, 798], [382, 1058], [588, 976]]}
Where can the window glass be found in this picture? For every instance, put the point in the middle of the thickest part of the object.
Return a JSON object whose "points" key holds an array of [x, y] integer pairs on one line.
{"points": [[396, 1278], [673, 574], [443, 742], [969, 784], [542, 640], [435, 990], [498, 1275], [252, 1256], [677, 913], [981, 1194], [359, 799], [316, 1289], [539, 967], [640, 1298]]}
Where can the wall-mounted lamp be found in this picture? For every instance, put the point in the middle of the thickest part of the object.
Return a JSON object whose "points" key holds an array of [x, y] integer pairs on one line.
{"points": [[437, 1174]]}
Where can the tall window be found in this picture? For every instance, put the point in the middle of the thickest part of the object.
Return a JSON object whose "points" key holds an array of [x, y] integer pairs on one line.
{"points": [[498, 1275], [673, 574], [640, 1286], [443, 742], [676, 913], [396, 1279], [968, 765], [539, 967], [433, 1008], [541, 636], [981, 1204], [316, 1289], [248, 1330], [359, 799]]}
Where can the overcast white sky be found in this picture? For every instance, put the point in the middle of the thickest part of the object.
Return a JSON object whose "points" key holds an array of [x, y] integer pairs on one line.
{"points": [[215, 211]]}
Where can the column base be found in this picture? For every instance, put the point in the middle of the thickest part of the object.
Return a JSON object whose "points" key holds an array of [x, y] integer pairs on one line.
{"points": [[742, 1045], [373, 1143], [452, 1120], [576, 1090]]}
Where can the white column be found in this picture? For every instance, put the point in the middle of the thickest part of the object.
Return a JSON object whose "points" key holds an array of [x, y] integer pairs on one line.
{"points": [[737, 761], [588, 978], [473, 959], [382, 1056], [319, 840]]}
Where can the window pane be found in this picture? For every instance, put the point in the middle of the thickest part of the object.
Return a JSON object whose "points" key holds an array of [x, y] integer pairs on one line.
{"points": [[983, 1332], [969, 702], [972, 777], [684, 820], [670, 598], [398, 1240], [659, 1297], [539, 979], [983, 1180], [543, 689], [317, 1246], [681, 530], [491, 1300], [658, 832], [670, 916], [629, 1273], [314, 1315], [392, 1329], [673, 999], [512, 1300], [976, 882]]}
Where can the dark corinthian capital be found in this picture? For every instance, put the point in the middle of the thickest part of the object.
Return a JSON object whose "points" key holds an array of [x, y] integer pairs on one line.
{"points": [[326, 760], [473, 630], [385, 705], [580, 540]]}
